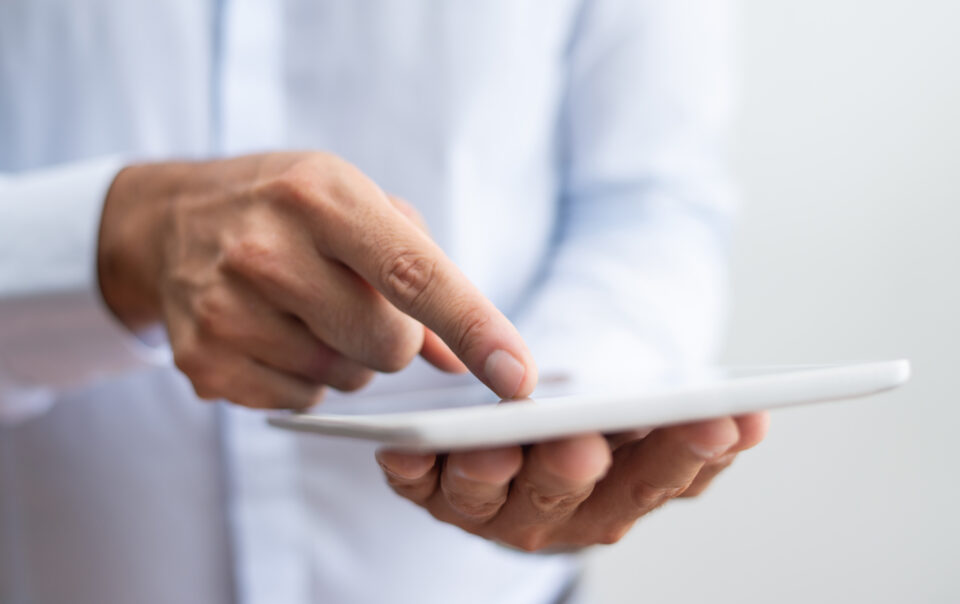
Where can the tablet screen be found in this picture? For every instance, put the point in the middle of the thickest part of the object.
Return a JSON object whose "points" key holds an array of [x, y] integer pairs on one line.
{"points": [[466, 390]]}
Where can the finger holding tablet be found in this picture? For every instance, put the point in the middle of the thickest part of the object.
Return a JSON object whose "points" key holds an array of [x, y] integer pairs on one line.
{"points": [[571, 492], [576, 488]]}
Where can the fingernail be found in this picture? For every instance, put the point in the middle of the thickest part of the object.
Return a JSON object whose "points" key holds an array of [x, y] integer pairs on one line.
{"points": [[504, 373], [405, 473], [708, 453]]}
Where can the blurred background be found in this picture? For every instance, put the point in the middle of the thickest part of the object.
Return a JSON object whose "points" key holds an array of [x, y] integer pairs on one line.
{"points": [[848, 158]]}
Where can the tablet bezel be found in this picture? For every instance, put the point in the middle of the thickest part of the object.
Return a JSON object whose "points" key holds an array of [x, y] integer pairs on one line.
{"points": [[529, 420]]}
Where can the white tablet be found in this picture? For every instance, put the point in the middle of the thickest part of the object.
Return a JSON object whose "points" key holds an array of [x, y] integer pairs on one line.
{"points": [[466, 417]]}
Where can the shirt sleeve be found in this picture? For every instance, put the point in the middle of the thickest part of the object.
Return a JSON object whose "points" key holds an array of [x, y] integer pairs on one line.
{"points": [[635, 284], [55, 331]]}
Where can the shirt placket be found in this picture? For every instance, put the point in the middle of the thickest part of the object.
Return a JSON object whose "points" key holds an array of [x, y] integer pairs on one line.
{"points": [[266, 511]]}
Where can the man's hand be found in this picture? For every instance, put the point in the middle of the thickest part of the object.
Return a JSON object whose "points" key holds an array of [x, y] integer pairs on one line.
{"points": [[573, 492], [279, 274]]}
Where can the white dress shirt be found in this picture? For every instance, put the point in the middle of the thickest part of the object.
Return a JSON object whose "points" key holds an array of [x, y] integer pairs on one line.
{"points": [[567, 154]]}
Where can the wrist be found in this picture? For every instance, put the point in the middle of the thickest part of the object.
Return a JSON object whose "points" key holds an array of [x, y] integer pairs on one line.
{"points": [[130, 247]]}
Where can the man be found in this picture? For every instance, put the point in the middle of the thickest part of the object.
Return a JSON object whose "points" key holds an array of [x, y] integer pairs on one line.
{"points": [[565, 159]]}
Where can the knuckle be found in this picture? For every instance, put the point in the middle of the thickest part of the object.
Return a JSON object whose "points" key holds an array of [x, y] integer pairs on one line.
{"points": [[209, 314], [253, 254], [472, 506], [403, 486], [399, 485], [394, 348], [204, 394], [529, 541], [613, 534], [646, 497], [472, 323], [299, 401], [203, 378], [294, 187], [407, 276], [391, 361], [206, 387], [723, 462], [317, 182], [262, 258], [352, 380], [417, 493], [473, 509], [189, 362], [694, 490], [555, 505]]}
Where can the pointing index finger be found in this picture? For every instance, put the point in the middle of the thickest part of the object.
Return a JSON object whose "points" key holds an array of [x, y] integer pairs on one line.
{"points": [[401, 262]]}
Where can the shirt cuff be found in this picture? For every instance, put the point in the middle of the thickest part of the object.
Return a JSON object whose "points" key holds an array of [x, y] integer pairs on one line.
{"points": [[55, 330]]}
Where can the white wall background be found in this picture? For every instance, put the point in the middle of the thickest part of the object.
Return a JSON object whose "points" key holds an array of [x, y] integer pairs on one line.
{"points": [[849, 160]]}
